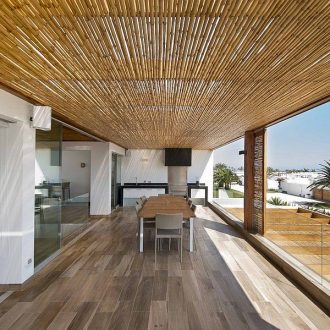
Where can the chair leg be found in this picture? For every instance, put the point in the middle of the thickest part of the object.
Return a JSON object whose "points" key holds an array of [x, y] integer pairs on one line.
{"points": [[138, 230], [181, 249], [156, 240]]}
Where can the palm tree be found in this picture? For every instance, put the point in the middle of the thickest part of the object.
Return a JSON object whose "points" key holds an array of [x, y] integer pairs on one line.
{"points": [[224, 176], [229, 176], [322, 181], [218, 174], [277, 201], [279, 180]]}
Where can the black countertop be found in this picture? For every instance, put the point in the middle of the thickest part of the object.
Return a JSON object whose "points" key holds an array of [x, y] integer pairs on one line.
{"points": [[144, 185], [130, 185]]}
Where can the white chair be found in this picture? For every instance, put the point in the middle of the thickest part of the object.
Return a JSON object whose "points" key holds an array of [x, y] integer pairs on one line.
{"points": [[141, 200], [138, 207], [169, 226]]}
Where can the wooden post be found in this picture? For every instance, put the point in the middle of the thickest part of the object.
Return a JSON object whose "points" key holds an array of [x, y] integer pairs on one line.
{"points": [[259, 199], [264, 183], [248, 179]]}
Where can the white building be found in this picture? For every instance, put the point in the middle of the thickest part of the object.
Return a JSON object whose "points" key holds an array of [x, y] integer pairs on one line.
{"points": [[294, 183]]}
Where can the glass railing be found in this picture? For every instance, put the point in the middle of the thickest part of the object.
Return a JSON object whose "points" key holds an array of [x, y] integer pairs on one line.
{"points": [[325, 264], [305, 236], [232, 200]]}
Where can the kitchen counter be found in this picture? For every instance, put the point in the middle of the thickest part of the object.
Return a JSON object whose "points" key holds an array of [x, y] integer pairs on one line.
{"points": [[192, 186]]}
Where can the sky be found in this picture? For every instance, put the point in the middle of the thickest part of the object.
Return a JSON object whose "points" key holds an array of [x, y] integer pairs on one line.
{"points": [[302, 141]]}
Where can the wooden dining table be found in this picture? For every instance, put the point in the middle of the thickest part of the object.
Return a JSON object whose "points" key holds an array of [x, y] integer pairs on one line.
{"points": [[167, 204]]}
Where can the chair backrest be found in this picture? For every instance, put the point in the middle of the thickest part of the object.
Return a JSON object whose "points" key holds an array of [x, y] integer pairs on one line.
{"points": [[169, 221], [56, 191], [138, 207], [193, 207], [189, 202]]}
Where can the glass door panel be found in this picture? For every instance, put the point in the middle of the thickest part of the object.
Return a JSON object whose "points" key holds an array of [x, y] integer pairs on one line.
{"points": [[48, 193], [76, 190]]}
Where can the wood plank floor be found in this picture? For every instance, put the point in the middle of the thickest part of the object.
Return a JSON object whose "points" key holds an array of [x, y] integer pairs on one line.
{"points": [[102, 282]]}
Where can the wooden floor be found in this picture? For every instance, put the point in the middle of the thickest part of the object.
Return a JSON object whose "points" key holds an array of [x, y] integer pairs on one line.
{"points": [[102, 282]]}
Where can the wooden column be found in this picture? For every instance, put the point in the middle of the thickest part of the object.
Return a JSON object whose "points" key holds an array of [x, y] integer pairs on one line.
{"points": [[255, 181], [248, 179]]}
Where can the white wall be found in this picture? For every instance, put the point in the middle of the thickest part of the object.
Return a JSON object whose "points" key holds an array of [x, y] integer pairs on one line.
{"points": [[145, 165], [272, 184], [79, 177], [100, 189], [148, 165], [201, 170], [14, 107], [297, 189], [17, 159], [100, 198]]}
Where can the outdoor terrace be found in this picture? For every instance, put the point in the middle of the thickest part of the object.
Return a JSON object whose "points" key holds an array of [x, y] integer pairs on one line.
{"points": [[136, 75]]}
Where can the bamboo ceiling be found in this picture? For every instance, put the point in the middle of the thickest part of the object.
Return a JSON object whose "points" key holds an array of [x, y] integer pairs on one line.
{"points": [[175, 73]]}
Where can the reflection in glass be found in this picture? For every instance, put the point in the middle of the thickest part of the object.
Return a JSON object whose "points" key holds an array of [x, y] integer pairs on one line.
{"points": [[76, 190], [48, 193], [228, 176]]}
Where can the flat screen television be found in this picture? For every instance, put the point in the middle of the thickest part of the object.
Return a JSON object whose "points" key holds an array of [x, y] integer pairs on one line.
{"points": [[178, 157]]}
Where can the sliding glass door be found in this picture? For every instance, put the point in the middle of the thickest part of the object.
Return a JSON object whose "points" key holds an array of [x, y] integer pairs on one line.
{"points": [[48, 193], [76, 190]]}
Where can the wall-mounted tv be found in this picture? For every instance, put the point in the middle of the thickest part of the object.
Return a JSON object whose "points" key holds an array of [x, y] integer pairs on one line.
{"points": [[178, 157]]}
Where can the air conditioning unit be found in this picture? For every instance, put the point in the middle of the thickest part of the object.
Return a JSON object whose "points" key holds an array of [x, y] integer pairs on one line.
{"points": [[42, 118]]}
